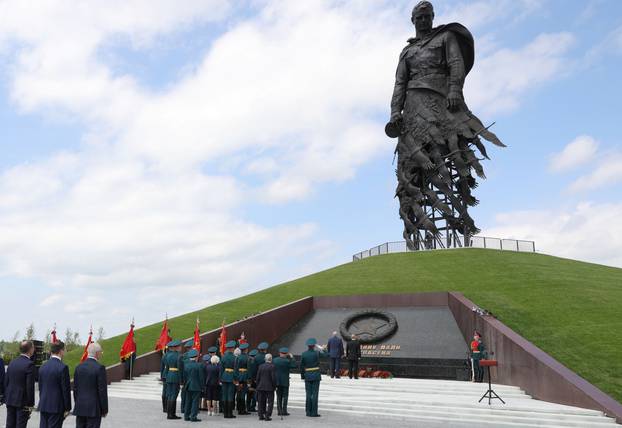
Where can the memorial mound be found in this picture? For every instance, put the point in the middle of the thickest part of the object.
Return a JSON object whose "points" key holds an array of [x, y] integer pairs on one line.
{"points": [[569, 309]]}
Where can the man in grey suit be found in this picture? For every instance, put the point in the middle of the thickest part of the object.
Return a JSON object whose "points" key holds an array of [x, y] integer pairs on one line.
{"points": [[335, 352], [266, 384]]}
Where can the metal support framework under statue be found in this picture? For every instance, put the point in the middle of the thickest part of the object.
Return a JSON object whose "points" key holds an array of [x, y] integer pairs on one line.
{"points": [[437, 135]]}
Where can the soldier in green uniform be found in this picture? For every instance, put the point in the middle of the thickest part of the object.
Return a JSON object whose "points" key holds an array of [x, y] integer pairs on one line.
{"points": [[173, 377], [260, 358], [241, 365], [310, 372], [229, 379], [184, 357], [163, 379], [251, 399], [194, 377], [283, 364]]}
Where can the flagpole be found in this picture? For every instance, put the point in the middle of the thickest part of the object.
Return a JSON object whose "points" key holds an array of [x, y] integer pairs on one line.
{"points": [[132, 359]]}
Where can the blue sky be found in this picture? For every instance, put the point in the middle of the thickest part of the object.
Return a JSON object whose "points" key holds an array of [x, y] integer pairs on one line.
{"points": [[160, 157]]}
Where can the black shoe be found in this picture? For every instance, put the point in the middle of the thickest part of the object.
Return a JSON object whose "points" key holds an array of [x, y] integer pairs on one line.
{"points": [[195, 420], [261, 418], [285, 414], [268, 418], [315, 416]]}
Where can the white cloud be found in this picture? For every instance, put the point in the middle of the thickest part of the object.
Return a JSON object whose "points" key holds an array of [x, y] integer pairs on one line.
{"points": [[51, 300], [611, 44], [606, 174], [590, 232], [578, 152], [499, 81]]}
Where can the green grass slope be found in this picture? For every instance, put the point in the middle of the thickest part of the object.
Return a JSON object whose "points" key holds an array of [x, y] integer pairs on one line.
{"points": [[570, 309]]}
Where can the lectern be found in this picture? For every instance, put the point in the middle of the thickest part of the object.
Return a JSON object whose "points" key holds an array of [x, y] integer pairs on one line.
{"points": [[490, 394]]}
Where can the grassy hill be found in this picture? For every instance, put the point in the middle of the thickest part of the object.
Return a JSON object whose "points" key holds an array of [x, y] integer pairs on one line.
{"points": [[570, 309]]}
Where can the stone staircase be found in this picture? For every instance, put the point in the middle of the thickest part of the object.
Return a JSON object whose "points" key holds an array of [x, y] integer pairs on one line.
{"points": [[412, 400]]}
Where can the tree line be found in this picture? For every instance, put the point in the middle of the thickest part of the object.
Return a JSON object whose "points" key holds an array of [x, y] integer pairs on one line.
{"points": [[9, 349]]}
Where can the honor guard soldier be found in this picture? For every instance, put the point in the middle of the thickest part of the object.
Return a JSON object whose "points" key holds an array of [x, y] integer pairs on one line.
{"points": [[283, 364], [194, 381], [242, 368], [163, 378], [478, 352], [251, 399], [172, 377], [310, 372], [228, 379], [184, 358]]}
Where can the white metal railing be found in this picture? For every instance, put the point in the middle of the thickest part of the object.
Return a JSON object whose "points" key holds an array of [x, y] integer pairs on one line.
{"points": [[474, 242]]}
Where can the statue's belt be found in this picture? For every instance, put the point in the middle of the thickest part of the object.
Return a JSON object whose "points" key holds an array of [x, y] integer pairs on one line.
{"points": [[173, 369], [229, 370], [311, 369], [242, 370]]}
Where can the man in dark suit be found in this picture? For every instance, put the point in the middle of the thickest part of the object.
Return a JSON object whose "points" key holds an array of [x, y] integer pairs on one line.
{"points": [[19, 387], [335, 352], [1, 381], [90, 390], [54, 389], [266, 384], [353, 354]]}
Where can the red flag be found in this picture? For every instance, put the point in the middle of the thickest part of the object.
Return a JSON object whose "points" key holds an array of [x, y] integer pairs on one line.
{"points": [[223, 338], [164, 337], [85, 354], [54, 338], [197, 338], [129, 346]]}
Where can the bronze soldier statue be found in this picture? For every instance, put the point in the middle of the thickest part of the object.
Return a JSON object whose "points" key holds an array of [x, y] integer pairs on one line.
{"points": [[437, 133]]}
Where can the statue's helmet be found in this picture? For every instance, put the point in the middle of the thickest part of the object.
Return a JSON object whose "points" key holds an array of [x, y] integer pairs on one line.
{"points": [[423, 6]]}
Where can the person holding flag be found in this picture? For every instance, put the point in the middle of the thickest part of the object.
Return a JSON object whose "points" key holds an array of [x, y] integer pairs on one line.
{"points": [[172, 375], [128, 352], [197, 338], [228, 379], [165, 337], [54, 339], [162, 346], [85, 354], [241, 364], [222, 340]]}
